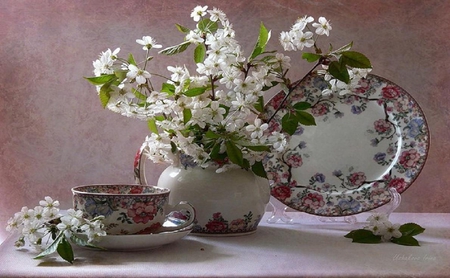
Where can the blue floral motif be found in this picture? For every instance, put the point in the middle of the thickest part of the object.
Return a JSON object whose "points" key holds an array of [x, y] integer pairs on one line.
{"points": [[96, 207], [319, 177], [351, 205], [356, 110], [379, 157], [414, 127], [337, 173]]}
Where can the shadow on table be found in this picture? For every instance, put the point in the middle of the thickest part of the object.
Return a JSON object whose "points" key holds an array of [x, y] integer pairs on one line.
{"points": [[185, 250]]}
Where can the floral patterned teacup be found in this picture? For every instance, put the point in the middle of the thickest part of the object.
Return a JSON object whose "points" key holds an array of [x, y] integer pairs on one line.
{"points": [[132, 209]]}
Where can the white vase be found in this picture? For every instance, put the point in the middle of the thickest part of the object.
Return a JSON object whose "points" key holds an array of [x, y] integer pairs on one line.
{"points": [[227, 204]]}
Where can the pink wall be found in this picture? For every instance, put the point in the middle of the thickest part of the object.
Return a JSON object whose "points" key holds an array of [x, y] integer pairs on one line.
{"points": [[55, 135]]}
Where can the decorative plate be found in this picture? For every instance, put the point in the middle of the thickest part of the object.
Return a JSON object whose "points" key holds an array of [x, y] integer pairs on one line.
{"points": [[363, 144], [142, 241]]}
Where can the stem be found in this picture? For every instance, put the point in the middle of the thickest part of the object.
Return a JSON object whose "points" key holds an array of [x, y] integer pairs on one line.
{"points": [[291, 89]]}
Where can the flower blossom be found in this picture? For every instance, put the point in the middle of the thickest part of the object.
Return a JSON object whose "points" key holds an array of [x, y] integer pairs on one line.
{"points": [[198, 12], [148, 43]]}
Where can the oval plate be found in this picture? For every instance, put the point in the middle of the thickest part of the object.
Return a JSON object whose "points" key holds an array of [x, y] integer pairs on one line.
{"points": [[363, 144]]}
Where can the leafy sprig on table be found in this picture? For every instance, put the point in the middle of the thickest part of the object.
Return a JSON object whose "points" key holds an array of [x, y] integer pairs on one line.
{"points": [[47, 231], [380, 229]]}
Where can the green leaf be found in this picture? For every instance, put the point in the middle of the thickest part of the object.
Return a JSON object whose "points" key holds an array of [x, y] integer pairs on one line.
{"points": [[339, 71], [311, 57], [258, 169], [139, 95], [211, 134], [406, 240], [199, 53], [121, 75], [83, 242], [172, 50], [206, 25], [305, 118], [151, 123], [234, 153], [289, 123], [363, 236], [302, 105], [195, 91], [257, 148], [182, 29], [187, 115], [131, 59], [263, 38], [52, 247], [259, 105], [355, 60], [100, 80], [344, 48], [411, 229], [104, 94], [168, 88], [64, 249]]}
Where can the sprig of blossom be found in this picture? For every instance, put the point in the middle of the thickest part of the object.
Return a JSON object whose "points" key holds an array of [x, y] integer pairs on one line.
{"points": [[47, 231], [208, 113], [380, 229]]}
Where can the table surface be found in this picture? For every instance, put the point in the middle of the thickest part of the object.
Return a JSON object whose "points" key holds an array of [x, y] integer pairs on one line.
{"points": [[306, 248]]}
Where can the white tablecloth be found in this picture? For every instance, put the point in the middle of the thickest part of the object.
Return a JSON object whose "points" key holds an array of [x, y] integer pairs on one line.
{"points": [[308, 248]]}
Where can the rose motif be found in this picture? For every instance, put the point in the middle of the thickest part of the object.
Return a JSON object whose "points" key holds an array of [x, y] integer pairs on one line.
{"points": [[319, 109], [237, 224], [216, 226], [281, 192], [382, 126], [390, 92], [409, 158], [357, 179], [399, 184], [142, 212], [313, 201]]}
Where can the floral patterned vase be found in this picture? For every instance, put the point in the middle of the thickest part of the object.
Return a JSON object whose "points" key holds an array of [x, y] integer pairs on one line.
{"points": [[231, 203]]}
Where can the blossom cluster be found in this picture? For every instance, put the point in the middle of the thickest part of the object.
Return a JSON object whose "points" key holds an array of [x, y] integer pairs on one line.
{"points": [[380, 225], [36, 224], [210, 113]]}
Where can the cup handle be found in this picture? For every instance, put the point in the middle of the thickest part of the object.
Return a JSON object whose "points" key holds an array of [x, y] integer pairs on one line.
{"points": [[139, 167], [177, 208]]}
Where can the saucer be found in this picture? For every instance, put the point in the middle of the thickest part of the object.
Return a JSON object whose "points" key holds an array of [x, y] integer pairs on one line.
{"points": [[142, 241]]}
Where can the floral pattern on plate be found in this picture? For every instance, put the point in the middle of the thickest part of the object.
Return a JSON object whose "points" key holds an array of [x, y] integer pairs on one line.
{"points": [[363, 144]]}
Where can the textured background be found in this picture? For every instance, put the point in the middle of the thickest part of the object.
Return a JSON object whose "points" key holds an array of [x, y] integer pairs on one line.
{"points": [[54, 134]]}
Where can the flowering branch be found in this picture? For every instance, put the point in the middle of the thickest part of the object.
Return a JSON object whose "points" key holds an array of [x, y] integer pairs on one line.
{"points": [[45, 222], [204, 115]]}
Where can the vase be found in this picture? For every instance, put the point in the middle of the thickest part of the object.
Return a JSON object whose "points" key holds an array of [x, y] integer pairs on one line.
{"points": [[230, 203]]}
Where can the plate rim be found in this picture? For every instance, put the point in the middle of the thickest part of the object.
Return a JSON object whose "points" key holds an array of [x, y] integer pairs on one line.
{"points": [[410, 181]]}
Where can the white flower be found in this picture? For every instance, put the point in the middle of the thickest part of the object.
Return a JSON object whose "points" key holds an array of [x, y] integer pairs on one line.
{"points": [[279, 141], [392, 230], [194, 37], [48, 202], [32, 231], [377, 218], [323, 27], [378, 228], [257, 129], [286, 41], [198, 12], [104, 64], [148, 43], [217, 14], [135, 73]]}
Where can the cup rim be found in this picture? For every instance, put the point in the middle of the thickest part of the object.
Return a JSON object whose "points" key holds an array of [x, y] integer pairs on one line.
{"points": [[77, 190]]}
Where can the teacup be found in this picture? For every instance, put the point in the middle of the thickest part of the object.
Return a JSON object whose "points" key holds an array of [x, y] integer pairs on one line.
{"points": [[131, 209]]}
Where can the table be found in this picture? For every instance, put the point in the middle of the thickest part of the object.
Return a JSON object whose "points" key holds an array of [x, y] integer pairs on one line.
{"points": [[307, 248]]}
